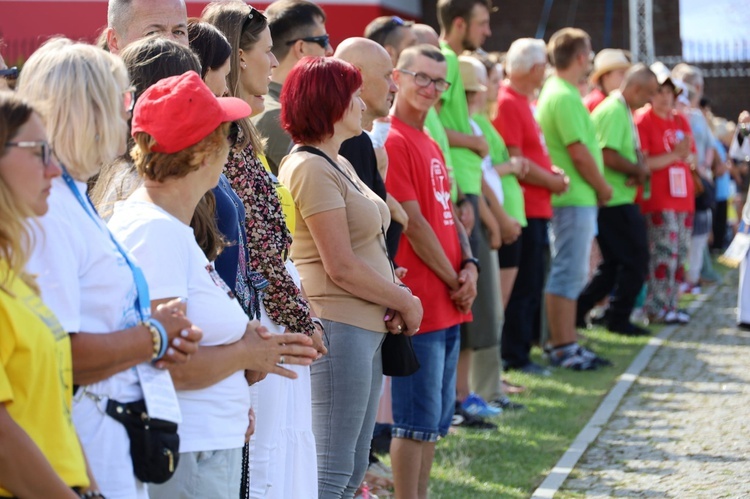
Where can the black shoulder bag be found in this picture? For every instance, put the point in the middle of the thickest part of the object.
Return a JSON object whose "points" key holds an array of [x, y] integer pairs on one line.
{"points": [[154, 443]]}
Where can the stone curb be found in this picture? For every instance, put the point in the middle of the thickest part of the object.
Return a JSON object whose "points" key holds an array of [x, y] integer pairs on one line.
{"points": [[555, 479]]}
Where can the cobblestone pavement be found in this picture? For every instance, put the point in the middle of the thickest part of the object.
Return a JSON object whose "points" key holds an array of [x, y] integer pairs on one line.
{"points": [[683, 430]]}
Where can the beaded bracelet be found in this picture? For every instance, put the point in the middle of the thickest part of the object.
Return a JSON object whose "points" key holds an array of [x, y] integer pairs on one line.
{"points": [[159, 337]]}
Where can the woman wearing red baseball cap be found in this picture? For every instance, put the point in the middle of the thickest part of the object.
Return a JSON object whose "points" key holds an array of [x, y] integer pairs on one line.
{"points": [[180, 130]]}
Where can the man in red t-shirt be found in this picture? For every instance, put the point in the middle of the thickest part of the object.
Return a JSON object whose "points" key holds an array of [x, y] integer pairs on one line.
{"points": [[526, 61], [441, 272], [667, 145]]}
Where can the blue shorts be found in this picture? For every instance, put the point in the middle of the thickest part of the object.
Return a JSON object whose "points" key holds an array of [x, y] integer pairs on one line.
{"points": [[423, 403], [571, 232]]}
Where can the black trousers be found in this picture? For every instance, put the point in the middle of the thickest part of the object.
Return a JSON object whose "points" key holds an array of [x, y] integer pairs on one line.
{"points": [[523, 314], [720, 225], [623, 242]]}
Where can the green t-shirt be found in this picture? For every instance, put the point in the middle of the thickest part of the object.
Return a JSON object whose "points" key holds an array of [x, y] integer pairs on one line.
{"points": [[614, 130], [564, 121], [454, 113], [513, 203], [437, 132]]}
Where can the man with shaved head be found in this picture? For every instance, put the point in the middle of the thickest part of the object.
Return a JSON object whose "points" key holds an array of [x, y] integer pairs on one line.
{"points": [[425, 34], [131, 20], [622, 233], [378, 91]]}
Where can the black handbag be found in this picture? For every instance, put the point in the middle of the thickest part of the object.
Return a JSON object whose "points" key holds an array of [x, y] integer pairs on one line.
{"points": [[399, 358], [154, 443]]}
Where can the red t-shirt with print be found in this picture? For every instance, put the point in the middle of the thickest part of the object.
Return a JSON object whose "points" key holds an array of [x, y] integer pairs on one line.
{"points": [[516, 124], [672, 186], [417, 172]]}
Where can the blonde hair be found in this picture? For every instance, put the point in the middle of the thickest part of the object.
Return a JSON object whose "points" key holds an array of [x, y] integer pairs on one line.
{"points": [[15, 237], [78, 91]]}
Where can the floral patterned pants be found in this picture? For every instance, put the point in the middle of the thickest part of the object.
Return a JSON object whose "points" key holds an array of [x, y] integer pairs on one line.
{"points": [[668, 241]]}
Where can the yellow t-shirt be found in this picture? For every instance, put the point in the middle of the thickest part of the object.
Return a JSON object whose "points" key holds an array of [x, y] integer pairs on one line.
{"points": [[36, 378], [285, 197]]}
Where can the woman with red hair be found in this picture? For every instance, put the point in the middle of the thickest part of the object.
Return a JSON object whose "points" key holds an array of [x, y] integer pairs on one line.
{"points": [[339, 249]]}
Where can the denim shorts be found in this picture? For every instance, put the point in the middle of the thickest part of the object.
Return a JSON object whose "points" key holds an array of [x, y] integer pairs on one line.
{"points": [[423, 403], [571, 232]]}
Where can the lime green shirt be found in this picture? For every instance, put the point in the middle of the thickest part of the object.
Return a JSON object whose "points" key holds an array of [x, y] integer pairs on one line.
{"points": [[614, 130], [564, 121], [437, 132], [454, 114], [513, 203]]}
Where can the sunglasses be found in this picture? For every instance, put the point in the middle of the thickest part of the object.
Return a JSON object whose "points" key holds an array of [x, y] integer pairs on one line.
{"points": [[27, 144], [254, 14], [422, 80], [322, 40], [391, 24], [9, 73]]}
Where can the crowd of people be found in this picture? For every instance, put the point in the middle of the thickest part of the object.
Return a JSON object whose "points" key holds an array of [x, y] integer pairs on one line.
{"points": [[234, 261]]}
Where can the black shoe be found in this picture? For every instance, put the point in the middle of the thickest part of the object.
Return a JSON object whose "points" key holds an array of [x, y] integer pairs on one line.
{"points": [[744, 326], [531, 368], [629, 329], [463, 419], [506, 404]]}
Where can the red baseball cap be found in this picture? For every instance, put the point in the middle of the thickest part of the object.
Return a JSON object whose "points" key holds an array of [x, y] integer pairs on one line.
{"points": [[180, 111]]}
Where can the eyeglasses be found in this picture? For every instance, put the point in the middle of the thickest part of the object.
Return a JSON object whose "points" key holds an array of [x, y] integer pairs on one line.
{"points": [[422, 80], [322, 40], [26, 144], [129, 100], [9, 73]]}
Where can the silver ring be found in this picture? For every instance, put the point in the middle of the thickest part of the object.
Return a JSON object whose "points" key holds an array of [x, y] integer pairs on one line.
{"points": [[400, 329], [281, 360], [416, 331]]}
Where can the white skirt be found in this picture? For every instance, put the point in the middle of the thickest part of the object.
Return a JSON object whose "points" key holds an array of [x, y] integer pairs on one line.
{"points": [[283, 460]]}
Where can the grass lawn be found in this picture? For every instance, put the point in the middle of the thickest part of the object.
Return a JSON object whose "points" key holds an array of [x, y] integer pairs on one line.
{"points": [[513, 460]]}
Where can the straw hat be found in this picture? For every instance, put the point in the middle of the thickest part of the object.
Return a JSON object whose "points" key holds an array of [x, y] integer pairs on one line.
{"points": [[470, 69], [663, 75], [608, 60]]}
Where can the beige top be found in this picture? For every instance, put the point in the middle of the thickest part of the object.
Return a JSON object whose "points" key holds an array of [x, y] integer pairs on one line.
{"points": [[317, 187]]}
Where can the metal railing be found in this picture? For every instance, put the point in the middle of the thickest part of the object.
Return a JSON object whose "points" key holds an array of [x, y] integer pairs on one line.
{"points": [[716, 50]]}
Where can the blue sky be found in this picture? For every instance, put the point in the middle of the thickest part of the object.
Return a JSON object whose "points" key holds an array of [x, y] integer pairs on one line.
{"points": [[715, 20]]}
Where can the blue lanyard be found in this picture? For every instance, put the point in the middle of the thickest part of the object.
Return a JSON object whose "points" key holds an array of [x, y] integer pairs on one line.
{"points": [[142, 302]]}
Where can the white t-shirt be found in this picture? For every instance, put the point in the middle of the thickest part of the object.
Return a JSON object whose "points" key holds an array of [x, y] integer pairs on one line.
{"points": [[89, 286], [213, 418], [488, 170]]}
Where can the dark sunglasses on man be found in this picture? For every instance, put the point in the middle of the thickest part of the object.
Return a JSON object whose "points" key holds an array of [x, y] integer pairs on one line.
{"points": [[322, 40]]}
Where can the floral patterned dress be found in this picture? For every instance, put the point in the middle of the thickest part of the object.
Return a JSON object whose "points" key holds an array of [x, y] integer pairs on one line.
{"points": [[268, 239]]}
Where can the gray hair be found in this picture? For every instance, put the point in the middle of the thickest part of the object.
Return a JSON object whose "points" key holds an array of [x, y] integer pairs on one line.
{"points": [[118, 12], [524, 54], [690, 75]]}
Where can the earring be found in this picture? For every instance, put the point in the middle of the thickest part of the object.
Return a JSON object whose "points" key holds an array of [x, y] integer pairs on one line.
{"points": [[244, 66]]}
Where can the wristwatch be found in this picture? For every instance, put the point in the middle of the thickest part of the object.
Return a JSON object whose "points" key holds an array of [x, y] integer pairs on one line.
{"points": [[473, 260]]}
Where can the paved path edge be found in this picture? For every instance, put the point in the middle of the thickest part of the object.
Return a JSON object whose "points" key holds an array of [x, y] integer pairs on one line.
{"points": [[560, 472]]}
